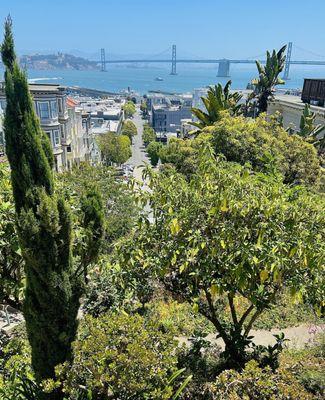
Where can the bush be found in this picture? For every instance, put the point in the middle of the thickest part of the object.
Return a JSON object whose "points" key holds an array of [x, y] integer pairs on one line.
{"points": [[177, 317], [121, 356], [308, 365], [255, 383], [266, 146]]}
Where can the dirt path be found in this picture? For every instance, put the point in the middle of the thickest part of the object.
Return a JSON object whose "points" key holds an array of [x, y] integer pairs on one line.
{"points": [[299, 336]]}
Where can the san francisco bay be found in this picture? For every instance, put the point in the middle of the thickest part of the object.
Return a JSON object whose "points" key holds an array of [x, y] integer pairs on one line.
{"points": [[143, 79]]}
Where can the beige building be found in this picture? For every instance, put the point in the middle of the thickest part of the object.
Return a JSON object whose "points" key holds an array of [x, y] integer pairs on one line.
{"points": [[63, 121], [50, 106], [291, 108]]}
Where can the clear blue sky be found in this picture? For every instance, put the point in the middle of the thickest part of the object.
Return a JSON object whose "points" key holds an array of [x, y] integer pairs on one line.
{"points": [[216, 28]]}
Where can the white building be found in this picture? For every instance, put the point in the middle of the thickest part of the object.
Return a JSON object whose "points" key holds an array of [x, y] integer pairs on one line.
{"points": [[291, 108]]}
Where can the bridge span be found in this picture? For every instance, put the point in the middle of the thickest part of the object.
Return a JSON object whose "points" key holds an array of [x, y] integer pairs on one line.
{"points": [[223, 63]]}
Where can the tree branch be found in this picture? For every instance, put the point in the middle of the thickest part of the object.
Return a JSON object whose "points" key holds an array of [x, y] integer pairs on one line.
{"points": [[246, 314], [215, 320], [232, 308], [251, 322]]}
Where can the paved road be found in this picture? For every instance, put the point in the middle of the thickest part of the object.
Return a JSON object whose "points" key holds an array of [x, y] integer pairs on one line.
{"points": [[139, 156]]}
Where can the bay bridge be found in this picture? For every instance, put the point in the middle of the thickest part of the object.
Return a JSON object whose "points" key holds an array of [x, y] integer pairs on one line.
{"points": [[223, 64]]}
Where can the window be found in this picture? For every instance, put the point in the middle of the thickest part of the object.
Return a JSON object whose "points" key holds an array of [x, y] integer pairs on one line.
{"points": [[62, 131], [48, 135], [60, 106], [3, 104], [56, 137], [54, 109], [44, 111]]}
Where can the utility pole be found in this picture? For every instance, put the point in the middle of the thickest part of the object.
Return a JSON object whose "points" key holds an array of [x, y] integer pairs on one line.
{"points": [[103, 60], [288, 60], [173, 60]]}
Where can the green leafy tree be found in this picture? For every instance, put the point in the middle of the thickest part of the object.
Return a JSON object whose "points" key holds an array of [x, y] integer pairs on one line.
{"points": [[218, 99], [149, 135], [53, 281], [267, 147], [144, 108], [114, 148], [226, 233], [269, 77], [129, 129], [129, 109], [153, 150]]}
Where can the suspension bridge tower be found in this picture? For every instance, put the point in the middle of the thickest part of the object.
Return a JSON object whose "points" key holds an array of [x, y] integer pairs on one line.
{"points": [[287, 64], [173, 72], [102, 60]]}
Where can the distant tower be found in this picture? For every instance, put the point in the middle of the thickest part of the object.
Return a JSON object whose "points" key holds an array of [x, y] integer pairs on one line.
{"points": [[173, 60], [103, 60], [288, 60]]}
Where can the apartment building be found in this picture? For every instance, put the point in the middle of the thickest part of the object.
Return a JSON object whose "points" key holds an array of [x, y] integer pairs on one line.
{"points": [[62, 120]]}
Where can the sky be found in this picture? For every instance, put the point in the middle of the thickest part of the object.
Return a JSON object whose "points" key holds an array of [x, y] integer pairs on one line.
{"points": [[202, 28]]}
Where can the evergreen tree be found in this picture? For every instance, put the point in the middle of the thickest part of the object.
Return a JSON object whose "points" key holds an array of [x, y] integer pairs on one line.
{"points": [[53, 277]]}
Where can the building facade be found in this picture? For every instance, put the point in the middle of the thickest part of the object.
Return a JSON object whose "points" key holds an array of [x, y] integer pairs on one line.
{"points": [[291, 109], [62, 120]]}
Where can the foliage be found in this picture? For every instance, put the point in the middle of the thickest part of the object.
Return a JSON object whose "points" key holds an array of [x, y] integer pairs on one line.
{"points": [[255, 383], [104, 291], [308, 365], [182, 154], [144, 108], [129, 109], [11, 262], [129, 358], [226, 232], [177, 317], [153, 150], [269, 77], [148, 135], [129, 129], [218, 99], [120, 209], [114, 148], [309, 130], [17, 380], [53, 285], [267, 147]]}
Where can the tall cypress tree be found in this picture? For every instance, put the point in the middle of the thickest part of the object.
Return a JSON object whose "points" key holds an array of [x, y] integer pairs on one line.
{"points": [[53, 278]]}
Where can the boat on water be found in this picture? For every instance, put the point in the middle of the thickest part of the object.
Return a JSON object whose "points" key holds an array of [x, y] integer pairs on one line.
{"points": [[159, 79]]}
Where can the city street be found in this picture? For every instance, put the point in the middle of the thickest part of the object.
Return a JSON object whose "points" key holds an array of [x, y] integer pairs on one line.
{"points": [[139, 156]]}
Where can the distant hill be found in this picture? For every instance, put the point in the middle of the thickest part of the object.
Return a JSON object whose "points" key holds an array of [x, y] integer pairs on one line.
{"points": [[56, 61]]}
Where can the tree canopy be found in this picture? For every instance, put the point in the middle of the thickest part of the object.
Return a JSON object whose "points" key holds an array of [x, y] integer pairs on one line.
{"points": [[129, 129], [229, 233], [114, 148]]}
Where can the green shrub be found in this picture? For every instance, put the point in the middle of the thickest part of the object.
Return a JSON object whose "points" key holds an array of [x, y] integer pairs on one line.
{"points": [[177, 317], [254, 383], [121, 356], [266, 146]]}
